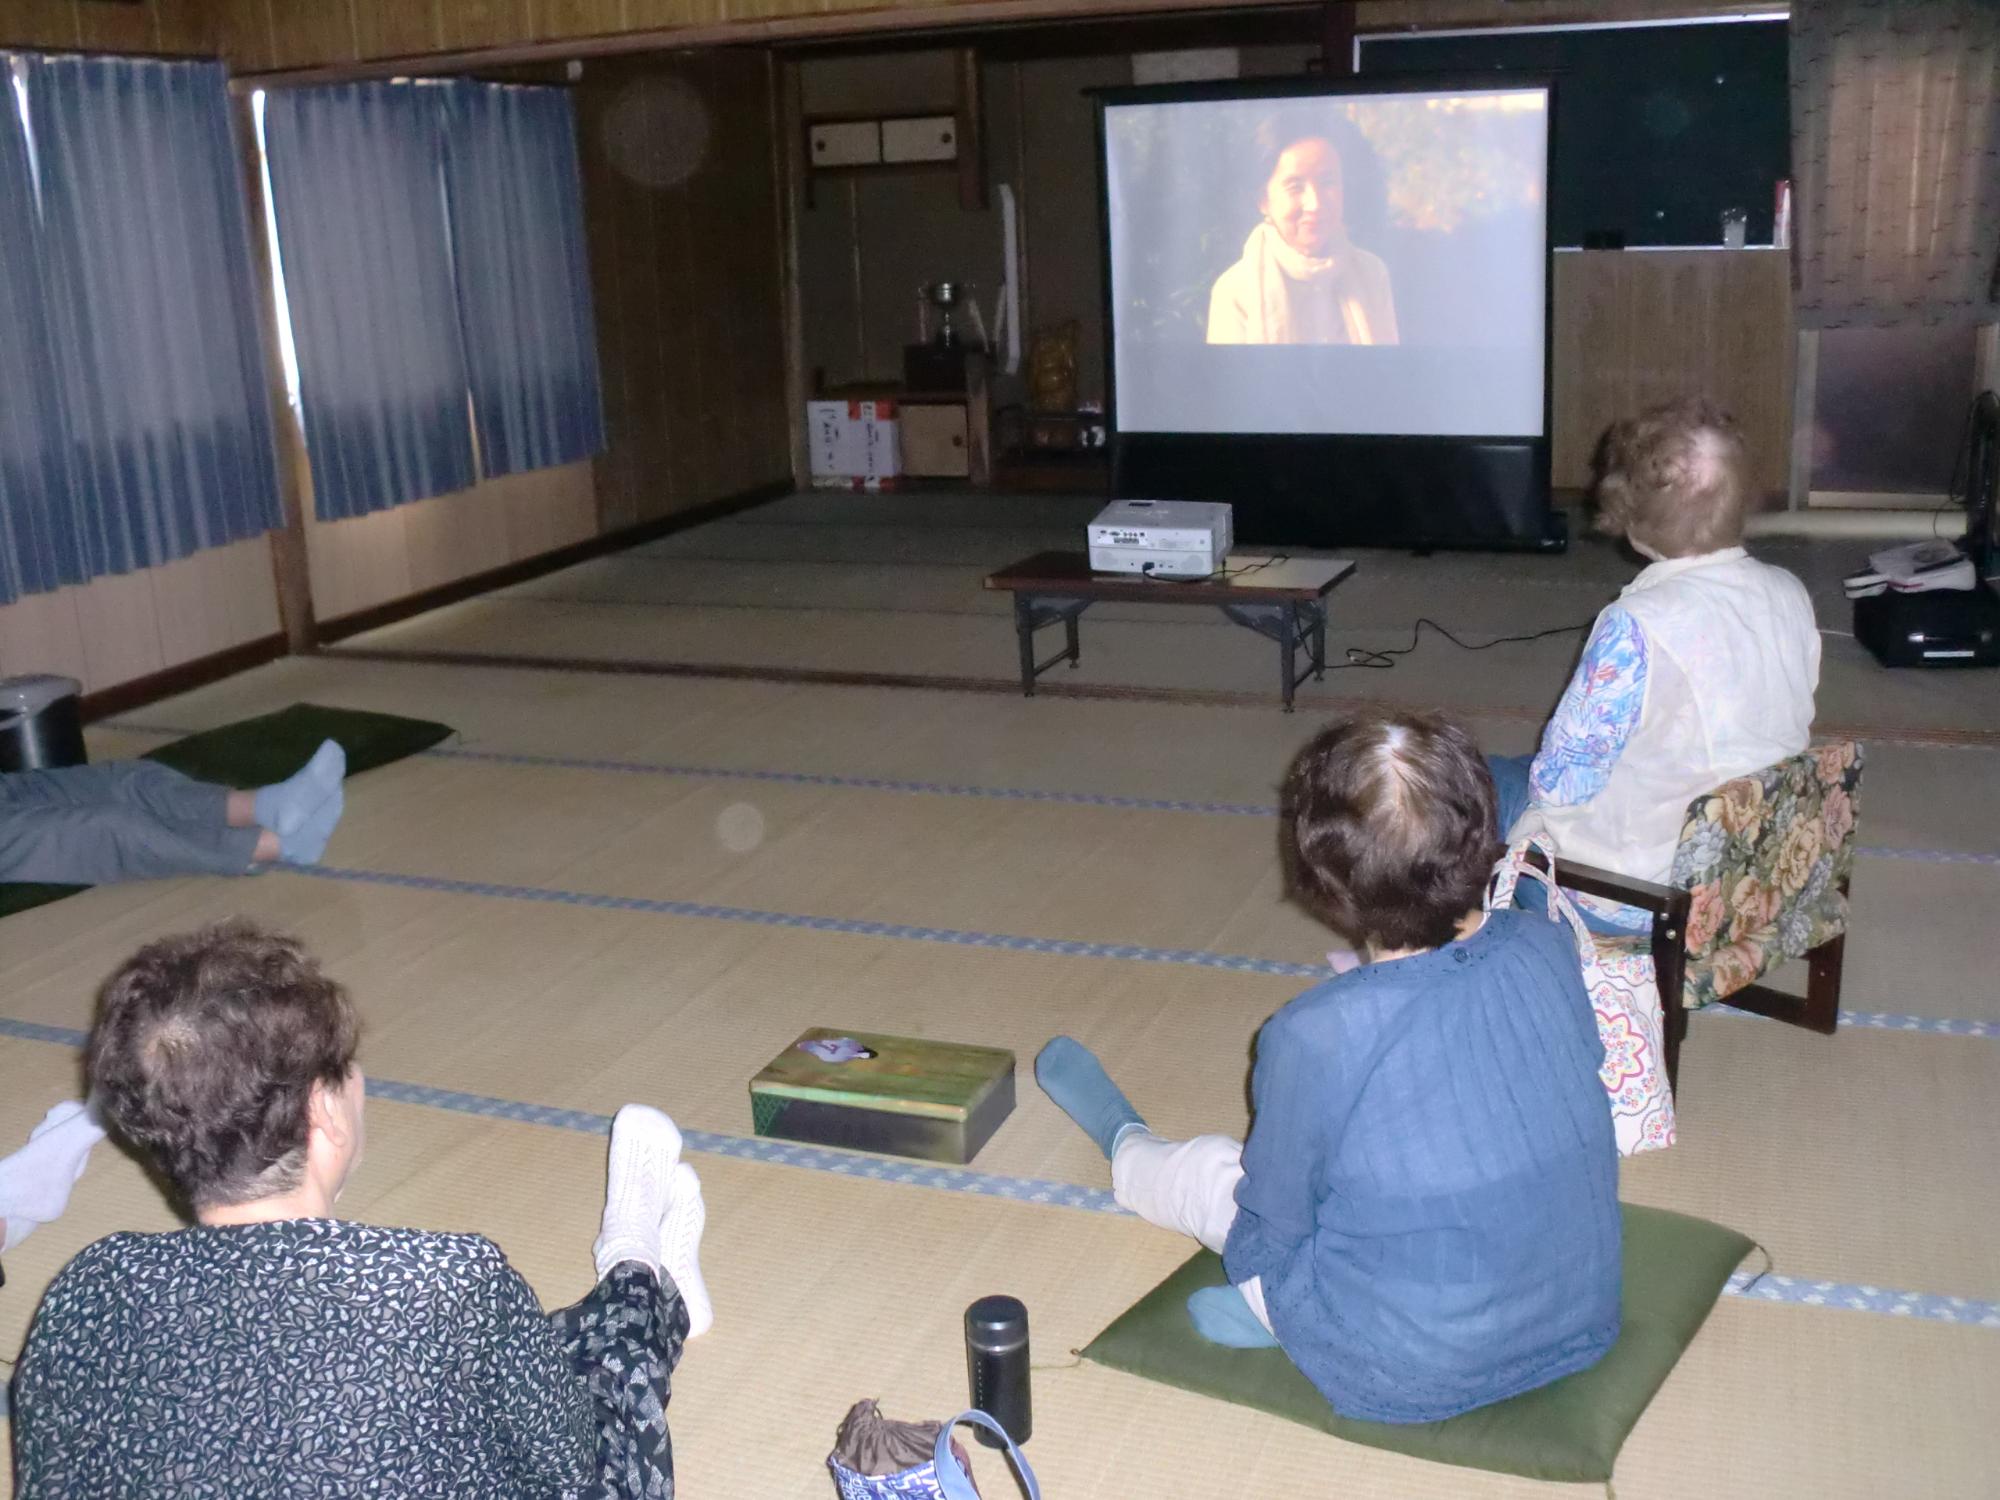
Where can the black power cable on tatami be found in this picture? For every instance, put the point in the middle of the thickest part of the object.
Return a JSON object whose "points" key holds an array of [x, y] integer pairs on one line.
{"points": [[1384, 659]]}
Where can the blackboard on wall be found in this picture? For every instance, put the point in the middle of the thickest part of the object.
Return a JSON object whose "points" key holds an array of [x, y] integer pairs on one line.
{"points": [[1658, 129]]}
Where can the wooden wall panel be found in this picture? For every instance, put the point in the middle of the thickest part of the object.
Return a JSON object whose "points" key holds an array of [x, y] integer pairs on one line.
{"points": [[404, 28], [40, 633], [687, 271], [370, 560], [359, 562], [128, 625], [247, 36], [1632, 328], [190, 27], [484, 23], [214, 600], [572, 18], [116, 28], [1395, 15], [41, 23], [311, 32], [121, 638], [397, 28]]}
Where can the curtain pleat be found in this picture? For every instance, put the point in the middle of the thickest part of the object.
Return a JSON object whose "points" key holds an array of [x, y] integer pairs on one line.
{"points": [[1896, 161], [152, 308], [40, 547], [516, 196], [356, 175]]}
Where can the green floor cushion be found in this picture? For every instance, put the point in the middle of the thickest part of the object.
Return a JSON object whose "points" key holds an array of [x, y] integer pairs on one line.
{"points": [[256, 752], [268, 748], [1675, 1268]]}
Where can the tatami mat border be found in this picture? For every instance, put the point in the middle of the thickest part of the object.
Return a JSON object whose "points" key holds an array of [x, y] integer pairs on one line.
{"points": [[865, 783], [1763, 1287], [896, 931], [958, 789], [1599, 588], [1237, 963], [999, 612], [1943, 737]]}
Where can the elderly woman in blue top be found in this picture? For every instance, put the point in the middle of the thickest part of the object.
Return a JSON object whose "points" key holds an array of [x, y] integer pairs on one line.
{"points": [[1425, 1214], [1701, 671]]}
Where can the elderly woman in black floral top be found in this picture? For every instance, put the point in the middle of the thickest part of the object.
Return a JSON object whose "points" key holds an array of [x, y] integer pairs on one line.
{"points": [[273, 1349]]}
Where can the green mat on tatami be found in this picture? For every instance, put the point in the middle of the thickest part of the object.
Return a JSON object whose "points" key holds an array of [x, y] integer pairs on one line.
{"points": [[268, 748], [1571, 1430]]}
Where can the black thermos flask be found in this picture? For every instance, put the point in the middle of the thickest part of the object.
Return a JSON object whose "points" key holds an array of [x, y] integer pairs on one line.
{"points": [[996, 1365]]}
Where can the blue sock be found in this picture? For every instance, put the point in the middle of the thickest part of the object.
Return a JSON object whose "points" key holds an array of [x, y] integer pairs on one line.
{"points": [[306, 843], [1070, 1074], [1221, 1316], [285, 807]]}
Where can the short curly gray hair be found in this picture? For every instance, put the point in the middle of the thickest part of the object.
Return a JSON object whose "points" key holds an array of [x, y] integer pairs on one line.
{"points": [[1675, 478], [205, 1053]]}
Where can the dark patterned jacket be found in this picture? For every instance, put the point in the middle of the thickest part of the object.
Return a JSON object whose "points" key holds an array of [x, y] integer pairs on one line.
{"points": [[310, 1357]]}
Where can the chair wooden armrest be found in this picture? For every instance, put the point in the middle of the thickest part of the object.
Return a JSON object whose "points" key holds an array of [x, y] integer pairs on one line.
{"points": [[1647, 895]]}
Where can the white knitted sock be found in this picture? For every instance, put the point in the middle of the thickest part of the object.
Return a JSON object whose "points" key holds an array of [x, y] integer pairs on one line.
{"points": [[35, 1181], [645, 1145], [680, 1247]]}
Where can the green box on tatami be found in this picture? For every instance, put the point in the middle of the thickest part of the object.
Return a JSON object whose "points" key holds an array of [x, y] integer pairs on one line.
{"points": [[936, 1101]]}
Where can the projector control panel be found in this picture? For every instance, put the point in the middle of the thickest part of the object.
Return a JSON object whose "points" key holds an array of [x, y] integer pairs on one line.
{"points": [[1173, 538]]}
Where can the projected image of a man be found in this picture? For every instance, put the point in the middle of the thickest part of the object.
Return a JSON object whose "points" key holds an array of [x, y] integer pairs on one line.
{"points": [[1300, 279]]}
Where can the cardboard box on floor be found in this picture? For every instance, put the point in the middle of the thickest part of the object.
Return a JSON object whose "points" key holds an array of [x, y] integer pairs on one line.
{"points": [[855, 445]]}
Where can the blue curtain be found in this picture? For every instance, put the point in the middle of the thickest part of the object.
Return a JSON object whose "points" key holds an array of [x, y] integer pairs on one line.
{"points": [[152, 306], [356, 173], [516, 196], [39, 546]]}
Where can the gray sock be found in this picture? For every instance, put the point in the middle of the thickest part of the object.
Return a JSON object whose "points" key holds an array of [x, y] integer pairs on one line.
{"points": [[1070, 1074]]}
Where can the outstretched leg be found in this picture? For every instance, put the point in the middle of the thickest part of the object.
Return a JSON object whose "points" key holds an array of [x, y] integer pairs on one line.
{"points": [[623, 1341], [626, 1337], [137, 820], [1188, 1187], [1070, 1074], [112, 842]]}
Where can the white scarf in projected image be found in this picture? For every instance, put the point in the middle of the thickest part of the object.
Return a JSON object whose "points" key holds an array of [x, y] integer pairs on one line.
{"points": [[1277, 294]]}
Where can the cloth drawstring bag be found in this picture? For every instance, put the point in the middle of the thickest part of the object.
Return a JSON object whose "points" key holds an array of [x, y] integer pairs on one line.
{"points": [[1625, 996], [878, 1459]]}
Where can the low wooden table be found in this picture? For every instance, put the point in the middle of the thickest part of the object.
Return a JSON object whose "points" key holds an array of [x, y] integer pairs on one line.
{"points": [[1281, 599]]}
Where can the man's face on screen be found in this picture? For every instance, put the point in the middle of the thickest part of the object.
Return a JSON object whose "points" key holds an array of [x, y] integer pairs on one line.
{"points": [[1302, 199]]}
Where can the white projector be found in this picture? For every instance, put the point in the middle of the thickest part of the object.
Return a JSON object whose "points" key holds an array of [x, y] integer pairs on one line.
{"points": [[1173, 538]]}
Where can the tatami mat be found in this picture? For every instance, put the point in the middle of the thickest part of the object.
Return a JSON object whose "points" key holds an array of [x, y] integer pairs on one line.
{"points": [[515, 1000], [832, 1290], [891, 584], [1858, 1161]]}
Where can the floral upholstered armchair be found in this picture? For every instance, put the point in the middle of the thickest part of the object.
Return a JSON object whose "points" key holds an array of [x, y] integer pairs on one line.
{"points": [[1760, 877]]}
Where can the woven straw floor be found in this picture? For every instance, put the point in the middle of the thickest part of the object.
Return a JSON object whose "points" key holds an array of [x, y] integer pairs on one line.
{"points": [[453, 908]]}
